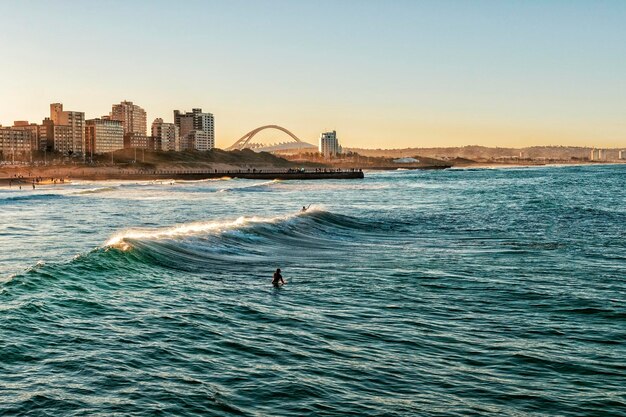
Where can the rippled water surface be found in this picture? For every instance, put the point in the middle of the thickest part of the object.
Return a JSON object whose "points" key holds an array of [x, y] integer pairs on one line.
{"points": [[460, 292]]}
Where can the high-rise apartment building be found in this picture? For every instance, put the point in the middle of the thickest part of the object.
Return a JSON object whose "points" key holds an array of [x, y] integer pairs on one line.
{"points": [[46, 135], [49, 133], [71, 139], [329, 144], [33, 128], [167, 133], [200, 140], [104, 135], [15, 142], [196, 120], [133, 117]]}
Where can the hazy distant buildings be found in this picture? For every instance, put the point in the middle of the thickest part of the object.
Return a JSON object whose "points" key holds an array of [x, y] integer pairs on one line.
{"points": [[195, 121], [167, 134], [104, 135], [133, 117], [69, 130], [329, 144], [598, 155]]}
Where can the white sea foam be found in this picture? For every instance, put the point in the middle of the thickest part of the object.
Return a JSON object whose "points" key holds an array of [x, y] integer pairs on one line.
{"points": [[96, 190], [204, 180], [119, 240]]}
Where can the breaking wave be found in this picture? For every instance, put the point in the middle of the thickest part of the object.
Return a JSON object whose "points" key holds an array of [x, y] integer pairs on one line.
{"points": [[196, 245], [33, 197], [226, 245], [96, 190]]}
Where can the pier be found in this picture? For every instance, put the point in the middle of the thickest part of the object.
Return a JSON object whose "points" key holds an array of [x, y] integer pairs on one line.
{"points": [[287, 174], [56, 177]]}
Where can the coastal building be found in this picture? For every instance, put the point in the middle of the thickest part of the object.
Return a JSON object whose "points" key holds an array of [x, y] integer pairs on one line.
{"points": [[329, 144], [31, 127], [194, 121], [133, 118], [622, 155], [185, 144], [135, 140], [104, 135], [598, 155], [69, 132], [167, 134], [49, 134], [200, 140], [15, 142]]}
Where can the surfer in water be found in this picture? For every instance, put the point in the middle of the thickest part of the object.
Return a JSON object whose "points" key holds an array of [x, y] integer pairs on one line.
{"points": [[304, 209], [278, 280]]}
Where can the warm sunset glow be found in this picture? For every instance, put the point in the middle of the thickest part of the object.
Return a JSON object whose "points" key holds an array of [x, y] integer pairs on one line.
{"points": [[399, 74]]}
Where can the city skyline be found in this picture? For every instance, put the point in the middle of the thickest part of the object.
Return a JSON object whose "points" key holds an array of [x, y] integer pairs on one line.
{"points": [[399, 75]]}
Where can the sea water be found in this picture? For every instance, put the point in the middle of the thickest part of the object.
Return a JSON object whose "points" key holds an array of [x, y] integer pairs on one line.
{"points": [[457, 292]]}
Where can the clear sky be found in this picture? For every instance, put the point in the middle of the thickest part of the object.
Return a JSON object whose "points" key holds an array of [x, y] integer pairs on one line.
{"points": [[381, 73]]}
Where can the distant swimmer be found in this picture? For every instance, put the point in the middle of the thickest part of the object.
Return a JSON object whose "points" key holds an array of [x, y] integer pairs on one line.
{"points": [[278, 279], [304, 209]]}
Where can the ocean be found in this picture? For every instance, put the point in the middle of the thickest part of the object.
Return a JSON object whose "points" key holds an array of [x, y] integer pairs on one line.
{"points": [[432, 293]]}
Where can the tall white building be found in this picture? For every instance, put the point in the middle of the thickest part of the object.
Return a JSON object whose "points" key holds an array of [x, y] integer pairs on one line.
{"points": [[329, 144], [71, 138], [168, 133], [200, 140]]}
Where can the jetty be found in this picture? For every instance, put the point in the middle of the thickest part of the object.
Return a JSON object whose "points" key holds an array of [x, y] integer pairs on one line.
{"points": [[190, 175], [287, 174]]}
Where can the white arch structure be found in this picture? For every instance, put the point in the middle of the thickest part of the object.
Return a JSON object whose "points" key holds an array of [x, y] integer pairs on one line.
{"points": [[245, 139]]}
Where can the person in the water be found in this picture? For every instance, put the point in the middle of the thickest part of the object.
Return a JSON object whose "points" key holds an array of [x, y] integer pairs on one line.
{"points": [[278, 278], [305, 208]]}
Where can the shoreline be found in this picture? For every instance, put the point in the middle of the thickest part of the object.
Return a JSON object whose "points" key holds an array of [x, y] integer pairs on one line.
{"points": [[488, 165], [24, 175]]}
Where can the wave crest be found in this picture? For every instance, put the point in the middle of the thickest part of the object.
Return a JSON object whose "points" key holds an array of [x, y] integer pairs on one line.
{"points": [[228, 244]]}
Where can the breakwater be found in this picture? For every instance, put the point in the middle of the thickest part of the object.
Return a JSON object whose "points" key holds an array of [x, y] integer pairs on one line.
{"points": [[246, 174], [148, 175]]}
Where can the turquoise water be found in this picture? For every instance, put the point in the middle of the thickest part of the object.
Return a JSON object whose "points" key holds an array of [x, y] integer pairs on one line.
{"points": [[459, 292]]}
